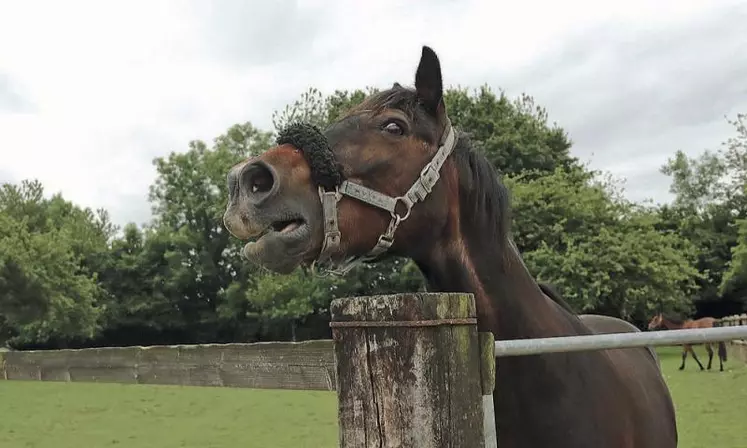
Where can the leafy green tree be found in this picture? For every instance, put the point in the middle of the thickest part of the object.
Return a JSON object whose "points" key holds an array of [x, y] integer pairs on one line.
{"points": [[189, 200], [515, 135], [603, 253], [735, 158], [695, 181], [183, 277], [313, 107], [48, 286], [709, 204], [143, 301], [290, 299]]}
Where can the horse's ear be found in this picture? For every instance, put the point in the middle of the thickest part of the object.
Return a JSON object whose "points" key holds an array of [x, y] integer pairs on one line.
{"points": [[428, 82]]}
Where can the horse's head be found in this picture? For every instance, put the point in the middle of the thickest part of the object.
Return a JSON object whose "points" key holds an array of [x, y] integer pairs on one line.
{"points": [[386, 198], [656, 322]]}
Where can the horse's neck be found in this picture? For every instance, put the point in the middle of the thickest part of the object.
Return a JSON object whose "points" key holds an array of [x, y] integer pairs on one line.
{"points": [[509, 301]]}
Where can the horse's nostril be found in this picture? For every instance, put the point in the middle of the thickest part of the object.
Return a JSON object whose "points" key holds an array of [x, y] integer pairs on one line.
{"points": [[257, 178]]}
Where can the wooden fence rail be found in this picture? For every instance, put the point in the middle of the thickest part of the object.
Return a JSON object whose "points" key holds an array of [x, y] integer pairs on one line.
{"points": [[737, 347], [266, 365]]}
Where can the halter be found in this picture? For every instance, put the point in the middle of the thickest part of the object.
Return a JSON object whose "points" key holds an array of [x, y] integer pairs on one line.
{"points": [[419, 190]]}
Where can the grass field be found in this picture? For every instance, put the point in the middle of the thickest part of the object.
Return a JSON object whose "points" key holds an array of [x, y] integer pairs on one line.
{"points": [[711, 409]]}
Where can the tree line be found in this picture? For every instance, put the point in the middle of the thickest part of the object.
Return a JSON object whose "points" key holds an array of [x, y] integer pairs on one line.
{"points": [[70, 278]]}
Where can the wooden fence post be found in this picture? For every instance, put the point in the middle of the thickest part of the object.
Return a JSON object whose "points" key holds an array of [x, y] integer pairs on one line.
{"points": [[408, 371]]}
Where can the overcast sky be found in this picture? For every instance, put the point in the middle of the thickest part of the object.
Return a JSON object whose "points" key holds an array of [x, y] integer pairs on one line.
{"points": [[91, 92]]}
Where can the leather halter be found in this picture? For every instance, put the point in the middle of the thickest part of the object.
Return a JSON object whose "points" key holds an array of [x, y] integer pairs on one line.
{"points": [[419, 190]]}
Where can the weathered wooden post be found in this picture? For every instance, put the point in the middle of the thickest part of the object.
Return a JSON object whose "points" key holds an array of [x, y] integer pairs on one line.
{"points": [[408, 371]]}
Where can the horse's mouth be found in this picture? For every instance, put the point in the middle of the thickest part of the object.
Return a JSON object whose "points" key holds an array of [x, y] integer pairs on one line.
{"points": [[283, 228], [281, 245]]}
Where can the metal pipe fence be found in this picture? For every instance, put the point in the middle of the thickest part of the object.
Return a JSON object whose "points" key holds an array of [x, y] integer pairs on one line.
{"points": [[536, 346]]}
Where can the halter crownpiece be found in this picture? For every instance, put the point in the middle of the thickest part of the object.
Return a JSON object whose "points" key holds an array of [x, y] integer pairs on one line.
{"points": [[326, 173]]}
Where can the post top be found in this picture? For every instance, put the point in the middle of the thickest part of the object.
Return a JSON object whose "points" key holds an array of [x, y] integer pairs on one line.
{"points": [[407, 307]]}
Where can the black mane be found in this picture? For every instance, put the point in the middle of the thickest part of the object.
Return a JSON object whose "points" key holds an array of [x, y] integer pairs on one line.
{"points": [[485, 202]]}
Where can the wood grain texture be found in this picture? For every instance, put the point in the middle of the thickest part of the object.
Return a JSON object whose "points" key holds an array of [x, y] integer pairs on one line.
{"points": [[408, 386]]}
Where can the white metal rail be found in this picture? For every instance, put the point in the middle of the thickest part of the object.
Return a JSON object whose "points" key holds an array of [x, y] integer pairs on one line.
{"points": [[518, 347]]}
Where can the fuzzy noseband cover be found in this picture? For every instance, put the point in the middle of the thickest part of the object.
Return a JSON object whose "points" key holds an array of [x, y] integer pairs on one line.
{"points": [[325, 171]]}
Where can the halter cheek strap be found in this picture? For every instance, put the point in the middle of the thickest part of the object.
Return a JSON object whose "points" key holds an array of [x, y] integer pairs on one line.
{"points": [[419, 190]]}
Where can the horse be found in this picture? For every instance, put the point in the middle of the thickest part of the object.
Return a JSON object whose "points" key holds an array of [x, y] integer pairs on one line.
{"points": [[393, 177], [670, 323]]}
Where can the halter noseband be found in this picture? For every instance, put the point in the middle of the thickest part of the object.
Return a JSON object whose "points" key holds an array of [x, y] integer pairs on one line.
{"points": [[419, 190]]}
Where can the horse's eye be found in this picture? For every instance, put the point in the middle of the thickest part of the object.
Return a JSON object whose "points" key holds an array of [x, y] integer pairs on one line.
{"points": [[393, 127]]}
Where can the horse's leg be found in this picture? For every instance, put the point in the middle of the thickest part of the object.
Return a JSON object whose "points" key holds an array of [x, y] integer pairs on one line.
{"points": [[684, 357], [721, 355], [695, 357], [709, 349]]}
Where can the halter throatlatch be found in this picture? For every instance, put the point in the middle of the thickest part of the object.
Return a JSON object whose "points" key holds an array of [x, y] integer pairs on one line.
{"points": [[327, 175]]}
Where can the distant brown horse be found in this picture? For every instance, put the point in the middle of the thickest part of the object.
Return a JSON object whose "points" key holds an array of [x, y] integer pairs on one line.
{"points": [[393, 177], [660, 321]]}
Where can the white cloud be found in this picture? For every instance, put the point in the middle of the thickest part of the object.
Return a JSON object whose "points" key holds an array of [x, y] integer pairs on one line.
{"points": [[113, 85]]}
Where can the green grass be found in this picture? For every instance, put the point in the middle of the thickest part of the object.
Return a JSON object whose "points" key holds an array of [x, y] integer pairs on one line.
{"points": [[711, 407], [77, 415]]}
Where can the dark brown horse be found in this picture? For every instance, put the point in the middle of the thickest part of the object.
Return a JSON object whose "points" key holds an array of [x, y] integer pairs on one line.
{"points": [[660, 321], [410, 185]]}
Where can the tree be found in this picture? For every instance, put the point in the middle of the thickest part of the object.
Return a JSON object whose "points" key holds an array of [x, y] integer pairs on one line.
{"points": [[709, 204], [603, 253], [735, 158], [183, 276], [313, 107], [515, 135], [48, 286], [696, 181], [291, 299]]}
